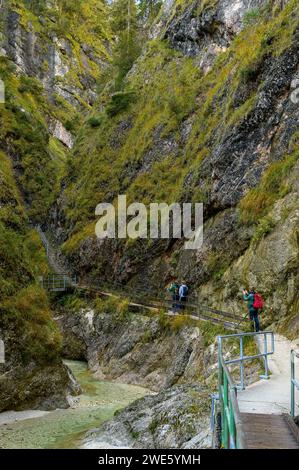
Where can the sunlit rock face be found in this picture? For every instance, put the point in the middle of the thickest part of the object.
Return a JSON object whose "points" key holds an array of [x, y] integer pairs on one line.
{"points": [[64, 67], [58, 130], [206, 30]]}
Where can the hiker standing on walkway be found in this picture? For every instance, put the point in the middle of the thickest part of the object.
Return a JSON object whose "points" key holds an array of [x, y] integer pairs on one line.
{"points": [[183, 295], [174, 291], [255, 303]]}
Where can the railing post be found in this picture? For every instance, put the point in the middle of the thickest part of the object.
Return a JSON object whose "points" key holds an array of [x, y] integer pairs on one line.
{"points": [[232, 435], [221, 390], [225, 435], [242, 363], [292, 384], [232, 428], [265, 358]]}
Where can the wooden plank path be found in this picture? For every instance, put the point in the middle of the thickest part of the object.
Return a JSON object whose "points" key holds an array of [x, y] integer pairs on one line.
{"points": [[268, 431], [265, 405]]}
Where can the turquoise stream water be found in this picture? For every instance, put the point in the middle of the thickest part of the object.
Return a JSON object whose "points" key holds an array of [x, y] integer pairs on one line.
{"points": [[64, 429]]}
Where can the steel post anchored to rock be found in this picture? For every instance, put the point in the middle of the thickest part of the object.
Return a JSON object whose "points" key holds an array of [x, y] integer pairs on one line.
{"points": [[294, 382]]}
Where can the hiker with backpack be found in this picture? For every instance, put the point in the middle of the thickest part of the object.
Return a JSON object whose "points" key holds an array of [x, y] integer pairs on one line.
{"points": [[255, 304], [173, 289], [183, 295]]}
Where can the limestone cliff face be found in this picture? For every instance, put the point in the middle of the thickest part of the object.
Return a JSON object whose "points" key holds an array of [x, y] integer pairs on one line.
{"points": [[49, 64], [213, 121], [137, 350], [171, 355], [51, 56], [154, 351], [51, 43], [204, 29], [163, 355], [208, 114]]}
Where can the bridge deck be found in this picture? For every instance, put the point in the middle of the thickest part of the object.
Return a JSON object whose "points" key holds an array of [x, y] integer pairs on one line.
{"points": [[266, 431]]}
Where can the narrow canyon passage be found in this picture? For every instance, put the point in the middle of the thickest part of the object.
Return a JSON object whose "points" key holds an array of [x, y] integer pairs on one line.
{"points": [[64, 429]]}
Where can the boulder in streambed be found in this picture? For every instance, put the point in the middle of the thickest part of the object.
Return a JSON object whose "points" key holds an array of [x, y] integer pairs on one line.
{"points": [[177, 418]]}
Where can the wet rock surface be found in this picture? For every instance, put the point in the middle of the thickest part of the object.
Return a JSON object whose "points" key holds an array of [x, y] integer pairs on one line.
{"points": [[177, 418]]}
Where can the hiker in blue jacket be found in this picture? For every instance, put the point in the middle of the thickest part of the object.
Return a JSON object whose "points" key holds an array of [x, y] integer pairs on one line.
{"points": [[183, 295], [249, 297]]}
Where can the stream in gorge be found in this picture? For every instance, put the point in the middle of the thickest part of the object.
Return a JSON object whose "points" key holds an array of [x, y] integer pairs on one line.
{"points": [[65, 429]]}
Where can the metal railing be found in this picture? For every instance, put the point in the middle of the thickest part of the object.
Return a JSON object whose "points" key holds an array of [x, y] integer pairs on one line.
{"points": [[231, 429], [160, 300], [58, 282], [214, 421], [243, 358], [294, 382]]}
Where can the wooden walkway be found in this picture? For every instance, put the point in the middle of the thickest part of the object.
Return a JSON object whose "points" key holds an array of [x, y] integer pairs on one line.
{"points": [[266, 431]]}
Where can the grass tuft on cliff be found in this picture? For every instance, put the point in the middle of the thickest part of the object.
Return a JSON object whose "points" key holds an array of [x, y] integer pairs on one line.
{"points": [[25, 319], [170, 95]]}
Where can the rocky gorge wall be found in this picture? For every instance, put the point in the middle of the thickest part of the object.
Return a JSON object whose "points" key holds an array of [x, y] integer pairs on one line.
{"points": [[206, 115], [174, 357], [177, 418], [49, 65], [138, 349], [211, 119], [168, 356]]}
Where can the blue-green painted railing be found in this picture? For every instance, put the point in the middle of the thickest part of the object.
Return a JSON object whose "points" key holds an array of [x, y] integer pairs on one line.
{"points": [[231, 429], [294, 382], [232, 436]]}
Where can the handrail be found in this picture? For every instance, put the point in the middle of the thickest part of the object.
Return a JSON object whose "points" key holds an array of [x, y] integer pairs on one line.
{"points": [[232, 434], [146, 298], [294, 382], [243, 358], [147, 294], [57, 282]]}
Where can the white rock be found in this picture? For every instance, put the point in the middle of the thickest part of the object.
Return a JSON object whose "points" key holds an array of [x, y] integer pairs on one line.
{"points": [[58, 130]]}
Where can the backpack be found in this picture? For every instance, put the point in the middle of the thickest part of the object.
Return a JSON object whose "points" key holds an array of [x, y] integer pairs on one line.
{"points": [[173, 288], [258, 302], [184, 291]]}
